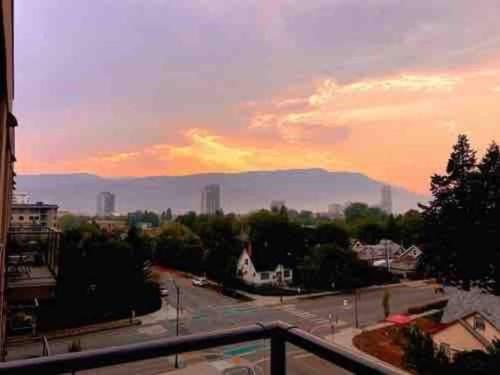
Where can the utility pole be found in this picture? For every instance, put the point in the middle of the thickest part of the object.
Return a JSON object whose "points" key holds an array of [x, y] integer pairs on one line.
{"points": [[387, 256], [356, 317], [178, 290]]}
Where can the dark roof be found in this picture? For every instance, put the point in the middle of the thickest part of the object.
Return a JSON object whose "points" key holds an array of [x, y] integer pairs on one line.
{"points": [[462, 303], [34, 205]]}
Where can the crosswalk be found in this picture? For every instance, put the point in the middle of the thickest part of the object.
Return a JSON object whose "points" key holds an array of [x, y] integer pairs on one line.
{"points": [[309, 316], [313, 318]]}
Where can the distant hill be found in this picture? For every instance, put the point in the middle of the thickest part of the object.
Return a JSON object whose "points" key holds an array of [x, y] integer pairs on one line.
{"points": [[311, 189]]}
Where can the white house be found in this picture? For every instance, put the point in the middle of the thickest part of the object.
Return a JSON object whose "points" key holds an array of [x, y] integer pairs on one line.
{"points": [[247, 272], [372, 253], [413, 252]]}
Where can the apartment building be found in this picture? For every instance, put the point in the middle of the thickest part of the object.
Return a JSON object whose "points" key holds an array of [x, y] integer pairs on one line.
{"points": [[8, 122], [29, 216]]}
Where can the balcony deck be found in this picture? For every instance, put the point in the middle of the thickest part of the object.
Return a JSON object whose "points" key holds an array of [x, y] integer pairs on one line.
{"points": [[279, 334], [38, 282]]}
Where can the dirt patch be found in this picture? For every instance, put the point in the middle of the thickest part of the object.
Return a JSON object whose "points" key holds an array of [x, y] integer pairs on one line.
{"points": [[387, 344]]}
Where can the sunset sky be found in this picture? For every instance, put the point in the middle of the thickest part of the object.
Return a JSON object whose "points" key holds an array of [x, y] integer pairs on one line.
{"points": [[167, 87]]}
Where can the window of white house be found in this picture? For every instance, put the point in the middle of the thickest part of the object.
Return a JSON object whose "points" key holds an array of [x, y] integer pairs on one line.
{"points": [[246, 262], [479, 323], [21, 218], [287, 273], [264, 275]]}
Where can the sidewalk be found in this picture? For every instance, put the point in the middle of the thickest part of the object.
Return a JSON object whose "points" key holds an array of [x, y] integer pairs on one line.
{"points": [[166, 312], [69, 332], [276, 300]]}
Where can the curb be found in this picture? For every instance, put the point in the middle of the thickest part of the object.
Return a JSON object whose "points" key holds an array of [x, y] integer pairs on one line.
{"points": [[77, 332]]}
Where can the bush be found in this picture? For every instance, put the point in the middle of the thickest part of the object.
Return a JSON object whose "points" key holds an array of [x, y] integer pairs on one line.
{"points": [[421, 355]]}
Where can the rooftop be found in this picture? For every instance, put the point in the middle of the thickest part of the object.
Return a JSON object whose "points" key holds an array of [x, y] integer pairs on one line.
{"points": [[462, 303]]}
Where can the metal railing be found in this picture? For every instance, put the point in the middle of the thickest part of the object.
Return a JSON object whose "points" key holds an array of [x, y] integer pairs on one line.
{"points": [[279, 333]]}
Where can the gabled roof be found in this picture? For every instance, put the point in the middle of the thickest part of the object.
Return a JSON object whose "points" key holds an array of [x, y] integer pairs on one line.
{"points": [[463, 303], [463, 323]]}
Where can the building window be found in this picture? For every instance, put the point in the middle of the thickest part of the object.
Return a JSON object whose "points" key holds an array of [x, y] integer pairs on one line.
{"points": [[479, 323], [246, 262], [21, 218], [264, 275], [287, 273]]}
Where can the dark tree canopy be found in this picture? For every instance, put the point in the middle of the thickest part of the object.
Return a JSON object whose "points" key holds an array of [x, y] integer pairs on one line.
{"points": [[461, 223]]}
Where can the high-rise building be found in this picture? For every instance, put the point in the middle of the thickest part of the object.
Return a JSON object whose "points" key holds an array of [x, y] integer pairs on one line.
{"points": [[105, 204], [386, 201], [210, 199], [335, 211], [277, 205]]}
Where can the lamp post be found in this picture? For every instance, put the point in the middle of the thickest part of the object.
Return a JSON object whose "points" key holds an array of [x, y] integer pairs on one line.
{"points": [[356, 316], [178, 290]]}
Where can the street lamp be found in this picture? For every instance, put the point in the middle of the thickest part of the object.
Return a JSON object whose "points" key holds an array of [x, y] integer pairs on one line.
{"points": [[178, 290]]}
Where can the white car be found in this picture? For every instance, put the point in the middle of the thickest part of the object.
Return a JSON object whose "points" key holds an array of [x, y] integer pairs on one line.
{"points": [[200, 281]]}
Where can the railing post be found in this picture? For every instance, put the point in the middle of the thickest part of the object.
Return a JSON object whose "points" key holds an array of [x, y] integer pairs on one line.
{"points": [[278, 354]]}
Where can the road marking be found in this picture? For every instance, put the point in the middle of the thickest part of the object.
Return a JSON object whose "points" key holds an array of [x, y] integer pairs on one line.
{"points": [[245, 350]]}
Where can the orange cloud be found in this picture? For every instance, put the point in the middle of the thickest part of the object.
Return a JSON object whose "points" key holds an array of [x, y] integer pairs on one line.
{"points": [[401, 127], [398, 129]]}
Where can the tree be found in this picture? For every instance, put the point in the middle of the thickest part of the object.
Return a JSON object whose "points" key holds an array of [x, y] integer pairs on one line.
{"points": [[361, 211], [179, 247], [386, 303], [222, 245], [329, 265], [68, 222], [332, 233], [369, 232], [421, 355], [275, 240], [461, 222], [102, 276], [412, 224]]}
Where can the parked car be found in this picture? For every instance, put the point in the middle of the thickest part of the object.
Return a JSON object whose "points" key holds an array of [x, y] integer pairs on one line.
{"points": [[163, 292], [200, 281]]}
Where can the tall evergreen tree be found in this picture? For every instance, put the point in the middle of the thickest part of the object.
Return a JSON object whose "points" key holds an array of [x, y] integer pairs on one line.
{"points": [[450, 218]]}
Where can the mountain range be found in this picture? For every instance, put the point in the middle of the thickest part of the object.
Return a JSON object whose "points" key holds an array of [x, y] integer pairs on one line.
{"points": [[311, 189]]}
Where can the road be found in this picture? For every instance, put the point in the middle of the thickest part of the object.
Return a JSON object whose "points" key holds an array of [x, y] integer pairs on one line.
{"points": [[206, 310]]}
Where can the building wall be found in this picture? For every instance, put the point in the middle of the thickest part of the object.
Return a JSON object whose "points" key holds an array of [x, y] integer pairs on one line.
{"points": [[111, 225], [28, 215], [105, 204], [210, 199], [248, 274], [490, 333], [7, 145], [458, 338]]}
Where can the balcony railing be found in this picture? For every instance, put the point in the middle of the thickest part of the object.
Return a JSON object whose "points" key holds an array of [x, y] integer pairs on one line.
{"points": [[279, 333]]}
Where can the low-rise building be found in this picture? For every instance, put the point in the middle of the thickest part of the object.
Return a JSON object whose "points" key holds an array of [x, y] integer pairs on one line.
{"points": [[471, 332], [471, 321], [381, 251], [37, 215], [112, 224], [248, 273]]}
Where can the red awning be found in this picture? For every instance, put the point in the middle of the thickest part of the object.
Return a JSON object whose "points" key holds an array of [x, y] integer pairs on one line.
{"points": [[398, 319]]}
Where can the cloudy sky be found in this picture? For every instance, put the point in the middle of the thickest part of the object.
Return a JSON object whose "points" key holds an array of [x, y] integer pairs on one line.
{"points": [[167, 87]]}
